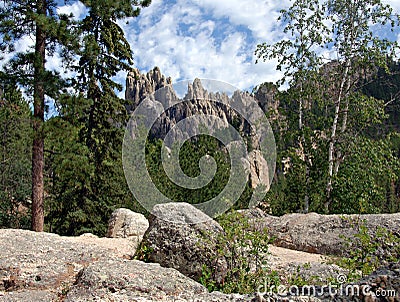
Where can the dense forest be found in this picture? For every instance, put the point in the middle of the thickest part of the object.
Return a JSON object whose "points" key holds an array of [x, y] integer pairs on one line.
{"points": [[336, 122]]}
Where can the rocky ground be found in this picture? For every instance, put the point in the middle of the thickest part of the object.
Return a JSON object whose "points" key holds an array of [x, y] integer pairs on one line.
{"points": [[48, 267]]}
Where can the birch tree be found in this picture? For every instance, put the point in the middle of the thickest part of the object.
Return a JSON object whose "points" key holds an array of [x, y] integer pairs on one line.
{"points": [[359, 51], [337, 61], [298, 58]]}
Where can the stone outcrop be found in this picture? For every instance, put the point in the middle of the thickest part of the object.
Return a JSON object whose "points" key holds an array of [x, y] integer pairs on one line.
{"points": [[131, 280], [44, 267], [315, 233], [183, 237], [139, 85], [259, 174], [211, 110], [266, 94], [125, 223]]}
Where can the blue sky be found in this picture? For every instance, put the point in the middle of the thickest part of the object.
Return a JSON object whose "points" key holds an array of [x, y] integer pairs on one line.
{"points": [[205, 39], [209, 39], [212, 39]]}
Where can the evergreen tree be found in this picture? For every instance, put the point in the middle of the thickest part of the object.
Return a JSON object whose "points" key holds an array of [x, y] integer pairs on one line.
{"points": [[102, 49], [39, 20], [15, 160], [96, 119]]}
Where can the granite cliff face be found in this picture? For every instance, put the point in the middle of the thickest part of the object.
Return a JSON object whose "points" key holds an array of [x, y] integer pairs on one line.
{"points": [[139, 85], [213, 109], [197, 102]]}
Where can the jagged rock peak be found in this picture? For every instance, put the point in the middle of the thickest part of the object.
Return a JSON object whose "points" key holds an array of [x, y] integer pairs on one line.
{"points": [[139, 85], [266, 96]]}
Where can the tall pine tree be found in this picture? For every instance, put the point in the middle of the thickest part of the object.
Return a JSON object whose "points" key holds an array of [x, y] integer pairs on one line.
{"points": [[15, 156], [103, 53], [37, 19], [96, 118]]}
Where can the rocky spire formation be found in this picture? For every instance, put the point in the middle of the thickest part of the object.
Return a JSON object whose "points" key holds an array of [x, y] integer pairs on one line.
{"points": [[205, 106], [139, 85]]}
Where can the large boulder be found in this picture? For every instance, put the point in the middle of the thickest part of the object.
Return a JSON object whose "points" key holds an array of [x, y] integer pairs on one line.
{"points": [[182, 237], [131, 280], [43, 267], [125, 223], [322, 234]]}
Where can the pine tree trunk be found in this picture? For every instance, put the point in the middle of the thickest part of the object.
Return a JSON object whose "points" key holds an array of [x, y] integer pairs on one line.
{"points": [[38, 120]]}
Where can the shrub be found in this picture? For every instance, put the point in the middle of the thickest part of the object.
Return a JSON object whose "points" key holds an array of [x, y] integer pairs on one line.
{"points": [[245, 248], [368, 250]]}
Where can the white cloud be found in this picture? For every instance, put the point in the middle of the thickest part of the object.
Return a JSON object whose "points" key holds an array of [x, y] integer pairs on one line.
{"points": [[21, 45], [259, 16], [200, 38], [205, 39], [395, 4], [77, 9]]}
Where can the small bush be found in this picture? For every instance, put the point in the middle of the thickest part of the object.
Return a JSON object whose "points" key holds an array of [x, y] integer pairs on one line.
{"points": [[368, 250], [143, 252], [245, 248]]}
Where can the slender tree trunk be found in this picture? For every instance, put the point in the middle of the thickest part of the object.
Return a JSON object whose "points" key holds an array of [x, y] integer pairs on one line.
{"points": [[331, 150], [38, 120], [303, 145]]}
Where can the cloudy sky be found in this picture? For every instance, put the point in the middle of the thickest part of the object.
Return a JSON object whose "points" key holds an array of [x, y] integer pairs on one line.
{"points": [[213, 39], [208, 38]]}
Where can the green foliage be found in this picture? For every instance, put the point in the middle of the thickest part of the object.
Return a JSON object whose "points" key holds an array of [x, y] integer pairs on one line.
{"points": [[84, 187], [363, 250], [363, 184], [86, 176], [297, 55], [298, 278], [189, 157], [331, 109], [50, 32], [290, 186], [15, 159], [142, 252], [245, 248]]}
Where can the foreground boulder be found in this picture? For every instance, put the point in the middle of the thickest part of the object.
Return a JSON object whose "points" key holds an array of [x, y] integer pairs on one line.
{"points": [[182, 237], [43, 267], [125, 223], [131, 280], [321, 234]]}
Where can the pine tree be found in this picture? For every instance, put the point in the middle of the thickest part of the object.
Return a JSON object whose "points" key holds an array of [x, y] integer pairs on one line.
{"points": [[96, 119], [39, 20], [15, 157]]}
